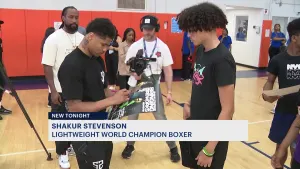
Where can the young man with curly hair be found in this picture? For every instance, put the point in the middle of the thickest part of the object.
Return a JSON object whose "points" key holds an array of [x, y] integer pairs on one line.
{"points": [[213, 83]]}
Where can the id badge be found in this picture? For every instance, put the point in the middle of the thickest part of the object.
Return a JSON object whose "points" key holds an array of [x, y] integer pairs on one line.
{"points": [[111, 51]]}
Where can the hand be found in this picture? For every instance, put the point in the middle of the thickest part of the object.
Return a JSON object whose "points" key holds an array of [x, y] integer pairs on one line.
{"points": [[277, 159], [169, 99], [55, 98], [137, 77], [186, 111], [203, 160], [121, 96], [270, 99]]}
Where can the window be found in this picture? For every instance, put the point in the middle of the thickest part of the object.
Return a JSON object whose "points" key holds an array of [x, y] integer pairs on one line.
{"points": [[241, 28], [132, 4]]}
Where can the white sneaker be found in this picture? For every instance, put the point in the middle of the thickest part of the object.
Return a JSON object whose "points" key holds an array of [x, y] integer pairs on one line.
{"points": [[71, 151], [63, 161]]}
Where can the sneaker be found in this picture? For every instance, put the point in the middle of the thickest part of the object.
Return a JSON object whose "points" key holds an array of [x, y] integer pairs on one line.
{"points": [[63, 161], [175, 157], [273, 111], [71, 151], [4, 111], [127, 152]]}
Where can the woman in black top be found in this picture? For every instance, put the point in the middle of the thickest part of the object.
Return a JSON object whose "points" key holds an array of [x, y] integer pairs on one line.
{"points": [[111, 60]]}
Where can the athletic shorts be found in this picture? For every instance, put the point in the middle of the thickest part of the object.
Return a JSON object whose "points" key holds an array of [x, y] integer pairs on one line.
{"points": [[93, 154], [280, 126], [191, 149], [295, 164]]}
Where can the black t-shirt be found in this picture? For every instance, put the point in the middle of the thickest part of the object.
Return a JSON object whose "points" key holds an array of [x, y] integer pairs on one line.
{"points": [[213, 69], [287, 69], [82, 77]]}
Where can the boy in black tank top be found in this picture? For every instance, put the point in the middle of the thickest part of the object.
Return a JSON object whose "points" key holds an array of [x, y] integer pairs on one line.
{"points": [[213, 83]]}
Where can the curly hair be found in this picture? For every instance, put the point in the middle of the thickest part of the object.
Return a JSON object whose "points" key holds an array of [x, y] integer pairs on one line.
{"points": [[202, 17], [293, 27], [102, 27]]}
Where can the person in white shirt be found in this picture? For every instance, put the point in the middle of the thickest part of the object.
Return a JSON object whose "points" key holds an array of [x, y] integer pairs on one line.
{"points": [[153, 47], [57, 46]]}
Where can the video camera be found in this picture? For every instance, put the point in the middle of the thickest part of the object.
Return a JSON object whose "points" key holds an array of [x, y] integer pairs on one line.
{"points": [[138, 63]]}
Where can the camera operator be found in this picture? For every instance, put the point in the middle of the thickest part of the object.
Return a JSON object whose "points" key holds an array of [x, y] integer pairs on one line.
{"points": [[153, 47], [3, 110]]}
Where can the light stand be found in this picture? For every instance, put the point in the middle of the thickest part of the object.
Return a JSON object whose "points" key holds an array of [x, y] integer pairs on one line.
{"points": [[15, 95]]}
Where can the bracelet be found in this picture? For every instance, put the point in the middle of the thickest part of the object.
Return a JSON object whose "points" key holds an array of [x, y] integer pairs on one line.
{"points": [[207, 153]]}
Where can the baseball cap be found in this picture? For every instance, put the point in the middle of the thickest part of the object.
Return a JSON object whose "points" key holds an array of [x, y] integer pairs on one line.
{"points": [[149, 22], [1, 22]]}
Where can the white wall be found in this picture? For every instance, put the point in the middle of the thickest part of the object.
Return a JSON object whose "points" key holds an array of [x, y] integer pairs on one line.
{"points": [[246, 52], [289, 8]]}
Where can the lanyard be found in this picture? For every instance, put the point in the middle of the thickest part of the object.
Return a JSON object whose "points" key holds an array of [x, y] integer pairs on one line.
{"points": [[145, 50]]}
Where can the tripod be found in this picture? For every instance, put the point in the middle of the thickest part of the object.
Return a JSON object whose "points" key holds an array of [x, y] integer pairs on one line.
{"points": [[15, 95]]}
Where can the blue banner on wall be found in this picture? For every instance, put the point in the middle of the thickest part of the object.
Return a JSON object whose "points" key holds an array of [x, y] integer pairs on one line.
{"points": [[175, 26]]}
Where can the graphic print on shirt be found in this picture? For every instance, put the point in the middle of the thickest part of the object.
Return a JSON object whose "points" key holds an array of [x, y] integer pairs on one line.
{"points": [[198, 74], [102, 76], [293, 72]]}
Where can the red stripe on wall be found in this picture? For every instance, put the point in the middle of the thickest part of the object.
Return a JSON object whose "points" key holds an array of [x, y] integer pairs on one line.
{"points": [[24, 30], [265, 43]]}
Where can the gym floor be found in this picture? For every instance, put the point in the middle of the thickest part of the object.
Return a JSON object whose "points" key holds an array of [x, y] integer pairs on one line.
{"points": [[20, 148]]}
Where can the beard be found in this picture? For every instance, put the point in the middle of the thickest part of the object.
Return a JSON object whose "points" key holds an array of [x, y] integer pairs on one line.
{"points": [[72, 27]]}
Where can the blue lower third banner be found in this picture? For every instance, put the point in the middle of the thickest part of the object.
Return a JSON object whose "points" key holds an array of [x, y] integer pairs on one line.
{"points": [[89, 129], [77, 116]]}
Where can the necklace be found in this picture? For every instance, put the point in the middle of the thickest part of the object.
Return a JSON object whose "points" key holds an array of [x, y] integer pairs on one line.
{"points": [[73, 44]]}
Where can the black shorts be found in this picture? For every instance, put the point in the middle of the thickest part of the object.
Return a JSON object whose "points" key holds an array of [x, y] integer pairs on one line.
{"points": [[295, 164], [93, 154], [190, 150]]}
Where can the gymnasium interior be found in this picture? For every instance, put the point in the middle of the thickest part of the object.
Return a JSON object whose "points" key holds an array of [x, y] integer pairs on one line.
{"points": [[24, 29]]}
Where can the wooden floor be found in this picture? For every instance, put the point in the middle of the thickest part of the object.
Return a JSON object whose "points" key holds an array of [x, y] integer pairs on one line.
{"points": [[20, 149]]}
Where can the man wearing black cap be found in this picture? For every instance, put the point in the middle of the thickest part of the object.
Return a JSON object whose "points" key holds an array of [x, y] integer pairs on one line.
{"points": [[2, 80], [153, 47], [57, 46]]}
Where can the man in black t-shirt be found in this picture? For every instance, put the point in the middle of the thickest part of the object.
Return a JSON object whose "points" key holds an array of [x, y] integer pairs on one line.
{"points": [[213, 83], [286, 67], [84, 87], [2, 79]]}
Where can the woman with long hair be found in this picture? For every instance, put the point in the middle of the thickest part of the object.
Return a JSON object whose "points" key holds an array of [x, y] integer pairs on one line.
{"points": [[277, 39], [123, 69], [48, 32], [226, 39], [111, 60]]}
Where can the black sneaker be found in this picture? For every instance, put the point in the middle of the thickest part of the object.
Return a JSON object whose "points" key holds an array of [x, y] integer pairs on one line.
{"points": [[4, 111], [175, 157], [127, 152]]}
